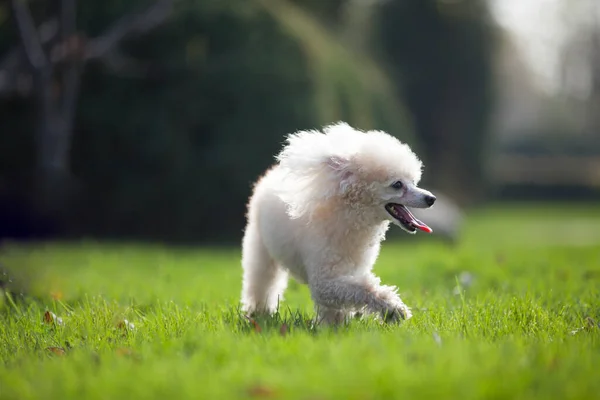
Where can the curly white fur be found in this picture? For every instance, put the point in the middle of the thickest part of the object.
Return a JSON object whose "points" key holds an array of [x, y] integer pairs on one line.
{"points": [[318, 215]]}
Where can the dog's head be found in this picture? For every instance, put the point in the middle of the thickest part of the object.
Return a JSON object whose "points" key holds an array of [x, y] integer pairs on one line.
{"points": [[370, 174]]}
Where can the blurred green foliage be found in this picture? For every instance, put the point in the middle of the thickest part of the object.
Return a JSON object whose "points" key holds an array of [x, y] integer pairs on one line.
{"points": [[169, 147], [441, 53]]}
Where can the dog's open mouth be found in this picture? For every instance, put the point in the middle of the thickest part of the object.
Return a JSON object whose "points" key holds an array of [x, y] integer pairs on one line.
{"points": [[406, 219]]}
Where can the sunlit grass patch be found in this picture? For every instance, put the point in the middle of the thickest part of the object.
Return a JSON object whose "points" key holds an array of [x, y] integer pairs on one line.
{"points": [[501, 315]]}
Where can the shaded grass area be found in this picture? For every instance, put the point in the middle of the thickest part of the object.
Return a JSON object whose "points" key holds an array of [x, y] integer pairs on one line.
{"points": [[512, 311]]}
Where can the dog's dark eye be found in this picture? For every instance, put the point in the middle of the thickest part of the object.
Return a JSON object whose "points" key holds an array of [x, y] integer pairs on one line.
{"points": [[397, 185]]}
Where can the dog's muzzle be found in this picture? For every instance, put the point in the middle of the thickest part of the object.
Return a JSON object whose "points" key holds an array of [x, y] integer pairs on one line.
{"points": [[406, 219]]}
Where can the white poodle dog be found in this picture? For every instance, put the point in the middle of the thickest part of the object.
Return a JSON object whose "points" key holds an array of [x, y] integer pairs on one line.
{"points": [[319, 215]]}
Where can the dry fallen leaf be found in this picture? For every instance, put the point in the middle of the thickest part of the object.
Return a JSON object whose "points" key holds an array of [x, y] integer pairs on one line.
{"points": [[126, 325], [124, 351], [284, 330], [129, 353], [261, 391], [48, 317], [255, 324], [59, 351], [590, 323], [51, 318]]}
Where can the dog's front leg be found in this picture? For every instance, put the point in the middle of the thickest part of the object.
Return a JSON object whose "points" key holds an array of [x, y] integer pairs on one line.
{"points": [[342, 293]]}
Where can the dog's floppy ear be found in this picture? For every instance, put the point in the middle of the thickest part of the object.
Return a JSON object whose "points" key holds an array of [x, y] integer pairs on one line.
{"points": [[342, 169], [337, 163]]}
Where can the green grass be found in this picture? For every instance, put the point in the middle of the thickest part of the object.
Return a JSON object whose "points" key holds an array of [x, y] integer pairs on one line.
{"points": [[521, 325]]}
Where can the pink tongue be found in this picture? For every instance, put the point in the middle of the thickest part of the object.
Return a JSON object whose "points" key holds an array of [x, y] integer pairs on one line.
{"points": [[418, 224]]}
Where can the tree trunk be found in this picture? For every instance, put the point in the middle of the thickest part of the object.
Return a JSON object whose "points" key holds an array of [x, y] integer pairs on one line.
{"points": [[56, 80], [52, 141]]}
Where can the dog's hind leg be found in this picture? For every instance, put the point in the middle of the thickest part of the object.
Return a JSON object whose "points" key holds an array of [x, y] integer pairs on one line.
{"points": [[264, 281]]}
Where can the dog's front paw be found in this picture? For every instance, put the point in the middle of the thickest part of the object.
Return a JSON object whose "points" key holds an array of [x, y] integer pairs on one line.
{"points": [[396, 314]]}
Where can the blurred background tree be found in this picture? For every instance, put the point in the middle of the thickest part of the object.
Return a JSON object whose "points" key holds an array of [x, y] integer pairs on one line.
{"points": [[176, 107], [440, 54]]}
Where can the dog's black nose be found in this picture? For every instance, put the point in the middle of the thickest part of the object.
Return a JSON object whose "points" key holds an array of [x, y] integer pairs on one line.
{"points": [[430, 200]]}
